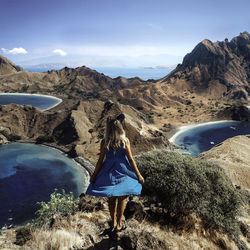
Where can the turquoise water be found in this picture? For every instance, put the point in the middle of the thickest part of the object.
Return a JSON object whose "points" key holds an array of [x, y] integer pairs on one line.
{"points": [[29, 173], [202, 138], [39, 101]]}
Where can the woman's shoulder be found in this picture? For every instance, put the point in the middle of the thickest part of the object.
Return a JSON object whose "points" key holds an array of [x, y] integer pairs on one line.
{"points": [[127, 142]]}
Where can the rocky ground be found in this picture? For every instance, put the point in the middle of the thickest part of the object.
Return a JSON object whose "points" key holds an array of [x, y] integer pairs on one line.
{"points": [[233, 156], [146, 228], [149, 226]]}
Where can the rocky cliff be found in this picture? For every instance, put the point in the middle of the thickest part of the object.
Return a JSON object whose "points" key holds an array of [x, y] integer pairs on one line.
{"points": [[220, 69], [28, 122]]}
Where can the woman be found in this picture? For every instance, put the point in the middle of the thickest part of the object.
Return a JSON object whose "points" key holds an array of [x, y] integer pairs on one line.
{"points": [[117, 176]]}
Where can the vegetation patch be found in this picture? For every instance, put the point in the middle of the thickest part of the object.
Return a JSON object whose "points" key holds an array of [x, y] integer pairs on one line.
{"points": [[187, 185], [60, 204]]}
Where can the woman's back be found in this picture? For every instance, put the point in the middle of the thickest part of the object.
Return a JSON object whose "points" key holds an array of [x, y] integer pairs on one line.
{"points": [[117, 153], [116, 174]]}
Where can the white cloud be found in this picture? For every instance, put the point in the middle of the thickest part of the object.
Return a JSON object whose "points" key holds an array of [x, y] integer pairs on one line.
{"points": [[60, 52], [14, 51]]}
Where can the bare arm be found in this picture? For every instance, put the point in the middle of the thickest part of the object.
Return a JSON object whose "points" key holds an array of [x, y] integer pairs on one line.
{"points": [[99, 162], [132, 161]]}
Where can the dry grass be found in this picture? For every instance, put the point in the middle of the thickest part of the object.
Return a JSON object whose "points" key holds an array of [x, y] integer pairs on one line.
{"points": [[84, 230], [75, 232], [197, 239], [7, 239], [56, 239]]}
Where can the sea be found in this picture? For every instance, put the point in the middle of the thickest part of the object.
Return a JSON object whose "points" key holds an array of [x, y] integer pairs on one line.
{"points": [[128, 72], [40, 101], [29, 173], [197, 139]]}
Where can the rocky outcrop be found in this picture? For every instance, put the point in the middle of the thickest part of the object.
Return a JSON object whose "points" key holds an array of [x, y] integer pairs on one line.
{"points": [[81, 126], [223, 66], [90, 118], [7, 67], [233, 156], [28, 122], [146, 228]]}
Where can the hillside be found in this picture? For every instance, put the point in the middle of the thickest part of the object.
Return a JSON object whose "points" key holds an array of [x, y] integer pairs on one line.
{"points": [[210, 77], [218, 70], [7, 67], [233, 155], [82, 82], [89, 230], [79, 125]]}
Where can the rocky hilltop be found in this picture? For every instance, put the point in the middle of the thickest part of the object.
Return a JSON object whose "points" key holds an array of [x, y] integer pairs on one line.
{"points": [[79, 127], [233, 156], [88, 230], [220, 69], [7, 67], [82, 82]]}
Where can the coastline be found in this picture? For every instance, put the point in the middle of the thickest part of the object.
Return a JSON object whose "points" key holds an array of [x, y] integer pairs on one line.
{"points": [[84, 165], [182, 129], [59, 100]]}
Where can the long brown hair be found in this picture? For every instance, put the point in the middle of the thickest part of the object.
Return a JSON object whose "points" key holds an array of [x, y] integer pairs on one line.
{"points": [[115, 136]]}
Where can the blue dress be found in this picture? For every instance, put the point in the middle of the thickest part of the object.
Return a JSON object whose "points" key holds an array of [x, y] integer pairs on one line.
{"points": [[116, 176]]}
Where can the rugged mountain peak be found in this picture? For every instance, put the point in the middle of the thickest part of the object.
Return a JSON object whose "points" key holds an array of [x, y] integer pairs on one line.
{"points": [[221, 63], [207, 42], [7, 66]]}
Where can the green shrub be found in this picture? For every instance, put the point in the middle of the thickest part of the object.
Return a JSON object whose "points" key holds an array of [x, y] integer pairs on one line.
{"points": [[60, 204], [184, 184]]}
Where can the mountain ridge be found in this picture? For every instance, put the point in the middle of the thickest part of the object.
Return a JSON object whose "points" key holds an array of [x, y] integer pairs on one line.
{"points": [[225, 64], [7, 66], [210, 77]]}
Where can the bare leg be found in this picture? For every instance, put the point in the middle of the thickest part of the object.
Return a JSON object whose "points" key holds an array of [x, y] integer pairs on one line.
{"points": [[122, 200], [112, 201]]}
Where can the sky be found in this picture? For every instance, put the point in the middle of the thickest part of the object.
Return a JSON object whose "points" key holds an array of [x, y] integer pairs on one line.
{"points": [[119, 33]]}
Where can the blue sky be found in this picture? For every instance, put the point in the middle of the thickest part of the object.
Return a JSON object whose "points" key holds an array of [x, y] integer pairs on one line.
{"points": [[115, 32]]}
